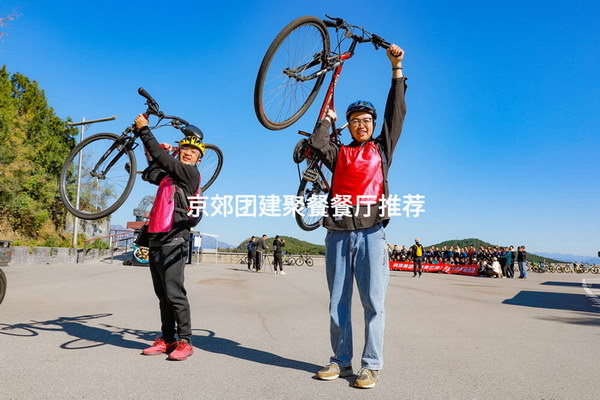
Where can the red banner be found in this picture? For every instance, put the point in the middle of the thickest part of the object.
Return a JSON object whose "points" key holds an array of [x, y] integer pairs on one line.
{"points": [[446, 268]]}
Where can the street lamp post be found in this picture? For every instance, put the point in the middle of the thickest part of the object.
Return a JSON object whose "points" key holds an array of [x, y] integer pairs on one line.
{"points": [[83, 125]]}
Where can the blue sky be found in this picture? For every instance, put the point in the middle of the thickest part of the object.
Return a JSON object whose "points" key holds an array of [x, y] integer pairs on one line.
{"points": [[501, 134]]}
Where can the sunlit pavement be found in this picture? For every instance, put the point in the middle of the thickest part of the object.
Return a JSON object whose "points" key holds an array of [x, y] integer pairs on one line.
{"points": [[76, 331]]}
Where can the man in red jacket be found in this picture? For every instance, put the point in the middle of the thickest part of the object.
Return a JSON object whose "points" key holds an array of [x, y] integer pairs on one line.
{"points": [[355, 243]]}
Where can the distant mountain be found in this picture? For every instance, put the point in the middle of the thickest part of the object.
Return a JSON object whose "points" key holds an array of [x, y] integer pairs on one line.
{"points": [[572, 258], [464, 243], [209, 242], [292, 245]]}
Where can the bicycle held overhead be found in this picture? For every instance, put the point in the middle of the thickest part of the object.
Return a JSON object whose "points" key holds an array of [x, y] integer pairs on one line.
{"points": [[289, 78], [99, 173]]}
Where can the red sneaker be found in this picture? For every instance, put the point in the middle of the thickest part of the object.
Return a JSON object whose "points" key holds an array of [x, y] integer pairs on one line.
{"points": [[159, 347], [182, 351]]}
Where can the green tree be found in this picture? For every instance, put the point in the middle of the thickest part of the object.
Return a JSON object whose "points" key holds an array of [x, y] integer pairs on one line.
{"points": [[34, 143]]}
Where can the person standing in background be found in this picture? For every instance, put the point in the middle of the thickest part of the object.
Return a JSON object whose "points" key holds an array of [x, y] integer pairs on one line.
{"points": [[260, 248], [251, 253], [522, 261], [278, 243]]}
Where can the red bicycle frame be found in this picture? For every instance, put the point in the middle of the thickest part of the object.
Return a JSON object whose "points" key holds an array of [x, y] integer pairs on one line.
{"points": [[328, 103]]}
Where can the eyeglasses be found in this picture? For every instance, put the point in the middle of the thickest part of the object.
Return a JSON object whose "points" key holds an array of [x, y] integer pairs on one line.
{"points": [[363, 121]]}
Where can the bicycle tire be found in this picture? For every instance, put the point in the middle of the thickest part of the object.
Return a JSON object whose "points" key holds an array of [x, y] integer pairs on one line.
{"points": [[299, 261], [210, 165], [306, 191], [567, 269], [122, 178], [3, 285], [288, 88], [309, 262]]}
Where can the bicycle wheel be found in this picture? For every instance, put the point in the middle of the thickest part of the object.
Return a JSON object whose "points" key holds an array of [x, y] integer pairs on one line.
{"points": [[299, 261], [210, 165], [103, 174], [312, 193], [309, 262], [2, 285], [287, 81]]}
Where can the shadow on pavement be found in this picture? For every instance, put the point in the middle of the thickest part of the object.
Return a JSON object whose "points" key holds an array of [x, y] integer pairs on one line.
{"points": [[86, 336], [239, 269], [215, 344], [555, 301], [593, 320], [571, 284]]}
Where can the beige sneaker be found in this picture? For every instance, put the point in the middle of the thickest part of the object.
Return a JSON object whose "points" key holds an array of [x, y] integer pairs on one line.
{"points": [[332, 371], [367, 378], [283, 273]]}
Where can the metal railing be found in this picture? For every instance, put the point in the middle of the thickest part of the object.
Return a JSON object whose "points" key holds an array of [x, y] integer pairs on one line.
{"points": [[120, 235]]}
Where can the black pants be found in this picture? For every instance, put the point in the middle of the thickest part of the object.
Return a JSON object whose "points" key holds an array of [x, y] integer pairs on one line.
{"points": [[167, 264], [417, 267], [258, 258], [278, 260], [251, 257]]}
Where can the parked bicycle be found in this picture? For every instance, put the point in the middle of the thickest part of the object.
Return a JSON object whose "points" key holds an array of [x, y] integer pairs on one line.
{"points": [[539, 267], [3, 284], [289, 78], [287, 259], [304, 259], [102, 168], [585, 268]]}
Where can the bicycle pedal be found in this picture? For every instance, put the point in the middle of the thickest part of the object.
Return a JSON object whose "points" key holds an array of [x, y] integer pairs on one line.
{"points": [[310, 175]]}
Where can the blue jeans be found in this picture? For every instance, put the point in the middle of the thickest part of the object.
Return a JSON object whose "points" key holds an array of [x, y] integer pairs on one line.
{"points": [[523, 269], [360, 255]]}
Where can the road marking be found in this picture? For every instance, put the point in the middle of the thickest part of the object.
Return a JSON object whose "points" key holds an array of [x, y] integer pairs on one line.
{"points": [[588, 291]]}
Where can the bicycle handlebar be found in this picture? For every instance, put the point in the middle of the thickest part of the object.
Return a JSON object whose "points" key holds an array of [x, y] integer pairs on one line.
{"points": [[153, 109], [339, 23]]}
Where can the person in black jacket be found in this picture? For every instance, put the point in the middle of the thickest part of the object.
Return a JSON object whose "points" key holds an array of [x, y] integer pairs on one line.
{"points": [[355, 242], [251, 253], [522, 261], [278, 244], [169, 230]]}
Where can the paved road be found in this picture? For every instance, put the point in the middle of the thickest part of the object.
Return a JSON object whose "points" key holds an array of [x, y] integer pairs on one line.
{"points": [[75, 332]]}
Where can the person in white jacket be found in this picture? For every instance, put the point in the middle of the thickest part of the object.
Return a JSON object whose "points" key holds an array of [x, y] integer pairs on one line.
{"points": [[495, 270]]}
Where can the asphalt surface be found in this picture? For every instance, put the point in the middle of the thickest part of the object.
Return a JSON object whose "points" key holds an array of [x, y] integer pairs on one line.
{"points": [[76, 331]]}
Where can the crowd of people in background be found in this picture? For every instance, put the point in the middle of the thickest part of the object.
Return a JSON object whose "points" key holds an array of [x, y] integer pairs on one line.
{"points": [[492, 261]]}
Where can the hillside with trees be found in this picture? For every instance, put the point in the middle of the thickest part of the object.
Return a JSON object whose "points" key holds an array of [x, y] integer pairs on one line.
{"points": [[34, 144], [477, 243]]}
